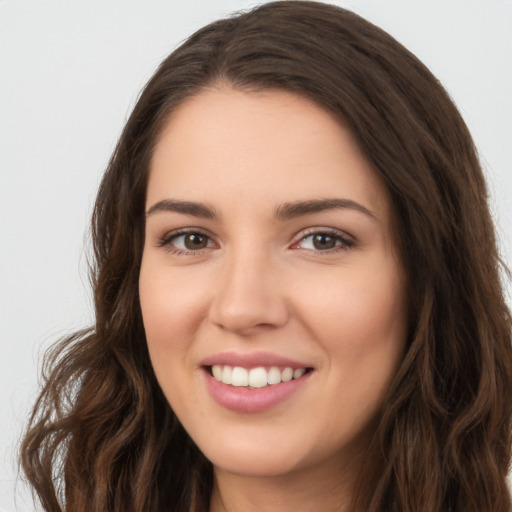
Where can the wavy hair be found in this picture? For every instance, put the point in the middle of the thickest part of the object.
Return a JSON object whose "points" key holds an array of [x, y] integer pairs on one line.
{"points": [[103, 438]]}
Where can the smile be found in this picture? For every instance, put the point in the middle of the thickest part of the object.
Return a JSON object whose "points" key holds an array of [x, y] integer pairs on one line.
{"points": [[255, 389], [255, 378]]}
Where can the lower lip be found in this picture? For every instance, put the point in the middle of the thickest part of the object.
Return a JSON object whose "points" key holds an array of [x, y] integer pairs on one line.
{"points": [[242, 399]]}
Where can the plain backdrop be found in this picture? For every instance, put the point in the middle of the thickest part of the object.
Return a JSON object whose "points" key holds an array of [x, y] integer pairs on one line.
{"points": [[70, 72]]}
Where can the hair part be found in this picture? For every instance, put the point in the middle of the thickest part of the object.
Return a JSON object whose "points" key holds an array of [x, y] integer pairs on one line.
{"points": [[442, 441]]}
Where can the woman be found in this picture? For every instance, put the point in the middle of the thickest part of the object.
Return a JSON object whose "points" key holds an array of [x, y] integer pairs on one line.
{"points": [[297, 290]]}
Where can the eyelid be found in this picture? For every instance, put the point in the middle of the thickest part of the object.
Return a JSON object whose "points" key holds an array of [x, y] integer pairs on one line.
{"points": [[165, 241], [347, 241]]}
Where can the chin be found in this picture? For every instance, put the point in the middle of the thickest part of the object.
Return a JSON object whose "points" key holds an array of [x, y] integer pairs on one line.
{"points": [[264, 465], [255, 459]]}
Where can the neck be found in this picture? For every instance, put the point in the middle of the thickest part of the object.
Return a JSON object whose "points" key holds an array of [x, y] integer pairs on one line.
{"points": [[323, 488]]}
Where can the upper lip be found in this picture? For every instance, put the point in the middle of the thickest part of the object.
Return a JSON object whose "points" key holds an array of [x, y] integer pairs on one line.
{"points": [[252, 360]]}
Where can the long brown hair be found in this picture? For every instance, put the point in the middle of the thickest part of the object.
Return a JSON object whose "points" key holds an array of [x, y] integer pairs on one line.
{"points": [[102, 436]]}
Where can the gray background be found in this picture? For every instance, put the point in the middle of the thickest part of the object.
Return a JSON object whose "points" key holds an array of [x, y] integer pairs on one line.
{"points": [[70, 72]]}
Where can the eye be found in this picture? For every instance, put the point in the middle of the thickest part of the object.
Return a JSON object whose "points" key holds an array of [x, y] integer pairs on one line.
{"points": [[324, 241], [186, 242]]}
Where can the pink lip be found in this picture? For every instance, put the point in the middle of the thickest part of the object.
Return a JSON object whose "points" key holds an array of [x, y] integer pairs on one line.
{"points": [[252, 360], [245, 400]]}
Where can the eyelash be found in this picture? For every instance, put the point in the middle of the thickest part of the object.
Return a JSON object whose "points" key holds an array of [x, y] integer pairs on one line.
{"points": [[167, 239], [344, 242]]}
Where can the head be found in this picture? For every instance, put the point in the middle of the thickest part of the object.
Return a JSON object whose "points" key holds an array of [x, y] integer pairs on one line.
{"points": [[422, 157]]}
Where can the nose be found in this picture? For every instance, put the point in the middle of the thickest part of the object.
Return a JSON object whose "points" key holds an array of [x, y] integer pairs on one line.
{"points": [[249, 296]]}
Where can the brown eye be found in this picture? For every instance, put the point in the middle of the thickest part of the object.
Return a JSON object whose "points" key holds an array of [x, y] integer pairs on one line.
{"points": [[327, 242], [186, 242], [323, 241], [195, 241]]}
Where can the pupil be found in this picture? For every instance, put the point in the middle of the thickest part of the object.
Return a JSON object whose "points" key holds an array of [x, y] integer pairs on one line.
{"points": [[323, 241], [195, 241]]}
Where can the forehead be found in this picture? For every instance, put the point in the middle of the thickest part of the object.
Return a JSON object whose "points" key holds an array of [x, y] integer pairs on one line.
{"points": [[234, 147]]}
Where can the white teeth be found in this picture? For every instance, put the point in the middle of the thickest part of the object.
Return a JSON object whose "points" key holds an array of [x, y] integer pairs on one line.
{"points": [[299, 372], [217, 371], [287, 375], [256, 377], [226, 374], [274, 375], [239, 377]]}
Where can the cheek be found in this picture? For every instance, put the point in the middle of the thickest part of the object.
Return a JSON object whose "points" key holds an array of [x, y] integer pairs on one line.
{"points": [[172, 306], [361, 325], [172, 313], [360, 314]]}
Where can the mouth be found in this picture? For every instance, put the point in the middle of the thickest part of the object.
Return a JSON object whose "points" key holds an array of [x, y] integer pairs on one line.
{"points": [[254, 382], [257, 377]]}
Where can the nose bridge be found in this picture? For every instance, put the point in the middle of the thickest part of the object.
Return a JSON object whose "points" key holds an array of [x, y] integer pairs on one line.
{"points": [[248, 294]]}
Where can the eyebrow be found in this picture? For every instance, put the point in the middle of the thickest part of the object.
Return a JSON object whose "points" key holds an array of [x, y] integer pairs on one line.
{"points": [[186, 207], [298, 208], [286, 211]]}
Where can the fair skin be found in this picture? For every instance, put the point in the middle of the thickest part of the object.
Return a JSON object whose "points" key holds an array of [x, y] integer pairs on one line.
{"points": [[287, 260]]}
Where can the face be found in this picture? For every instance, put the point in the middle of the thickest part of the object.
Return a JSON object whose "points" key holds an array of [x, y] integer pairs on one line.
{"points": [[270, 287]]}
